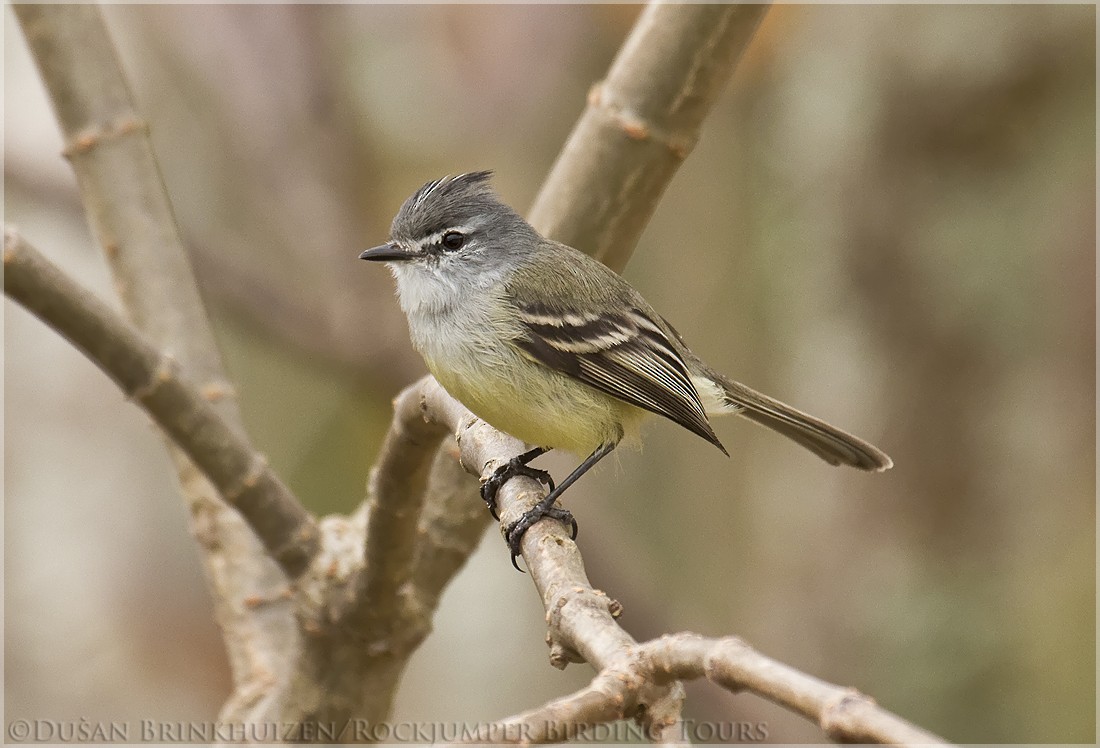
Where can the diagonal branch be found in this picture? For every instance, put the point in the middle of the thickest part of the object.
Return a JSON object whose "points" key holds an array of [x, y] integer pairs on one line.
{"points": [[107, 142], [634, 679], [153, 380], [641, 122], [582, 619]]}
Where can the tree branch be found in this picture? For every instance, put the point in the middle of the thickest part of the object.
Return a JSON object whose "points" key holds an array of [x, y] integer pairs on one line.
{"points": [[633, 679], [153, 380], [107, 143], [641, 122], [452, 523], [586, 629], [375, 578], [396, 495], [845, 715]]}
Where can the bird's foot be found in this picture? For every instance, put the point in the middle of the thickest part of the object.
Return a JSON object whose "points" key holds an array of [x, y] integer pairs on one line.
{"points": [[545, 508], [504, 473]]}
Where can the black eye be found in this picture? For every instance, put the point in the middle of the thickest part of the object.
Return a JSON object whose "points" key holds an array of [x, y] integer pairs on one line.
{"points": [[453, 240]]}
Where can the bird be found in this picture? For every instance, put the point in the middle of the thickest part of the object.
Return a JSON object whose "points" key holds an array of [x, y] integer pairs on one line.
{"points": [[548, 344]]}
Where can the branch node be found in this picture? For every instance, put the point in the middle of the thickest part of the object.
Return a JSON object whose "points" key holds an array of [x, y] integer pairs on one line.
{"points": [[424, 407], [636, 127], [615, 608], [727, 649], [256, 470], [96, 134], [216, 390], [165, 371], [840, 717], [560, 655], [11, 243], [257, 601]]}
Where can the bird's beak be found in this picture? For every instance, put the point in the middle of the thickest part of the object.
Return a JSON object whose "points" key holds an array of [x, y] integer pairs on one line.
{"points": [[386, 253]]}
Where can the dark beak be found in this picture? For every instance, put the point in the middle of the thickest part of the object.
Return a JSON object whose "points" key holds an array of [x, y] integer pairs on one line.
{"points": [[386, 253]]}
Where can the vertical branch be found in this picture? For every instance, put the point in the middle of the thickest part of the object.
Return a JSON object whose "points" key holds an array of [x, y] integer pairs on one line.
{"points": [[452, 523], [641, 122], [107, 143], [396, 490]]}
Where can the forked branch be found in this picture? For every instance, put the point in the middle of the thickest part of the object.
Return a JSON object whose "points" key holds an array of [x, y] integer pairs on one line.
{"points": [[108, 145], [154, 381], [640, 124], [634, 679]]}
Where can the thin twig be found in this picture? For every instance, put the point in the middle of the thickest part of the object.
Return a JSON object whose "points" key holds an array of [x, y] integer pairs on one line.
{"points": [[844, 714], [641, 122], [154, 381]]}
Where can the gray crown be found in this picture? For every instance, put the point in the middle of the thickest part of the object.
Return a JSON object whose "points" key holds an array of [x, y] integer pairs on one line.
{"points": [[466, 200]]}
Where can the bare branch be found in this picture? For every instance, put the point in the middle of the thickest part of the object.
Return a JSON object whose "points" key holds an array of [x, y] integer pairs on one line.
{"points": [[846, 715], [634, 678], [153, 380], [641, 122], [582, 623], [452, 524], [107, 143], [396, 492]]}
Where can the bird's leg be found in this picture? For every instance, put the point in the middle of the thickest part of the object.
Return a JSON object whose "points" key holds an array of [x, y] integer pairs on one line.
{"points": [[545, 508], [515, 466]]}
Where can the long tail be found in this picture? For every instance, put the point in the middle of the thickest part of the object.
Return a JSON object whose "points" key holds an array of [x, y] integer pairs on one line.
{"points": [[828, 442]]}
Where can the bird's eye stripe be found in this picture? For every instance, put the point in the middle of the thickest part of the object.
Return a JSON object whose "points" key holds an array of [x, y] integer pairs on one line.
{"points": [[436, 238]]}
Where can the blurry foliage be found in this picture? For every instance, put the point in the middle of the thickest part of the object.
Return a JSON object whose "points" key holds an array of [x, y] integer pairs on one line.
{"points": [[890, 221]]}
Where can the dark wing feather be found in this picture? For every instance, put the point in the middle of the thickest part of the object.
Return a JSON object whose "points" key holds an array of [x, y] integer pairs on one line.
{"points": [[625, 355]]}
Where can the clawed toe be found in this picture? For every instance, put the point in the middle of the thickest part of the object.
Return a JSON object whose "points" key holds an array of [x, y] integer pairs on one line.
{"points": [[514, 533], [506, 472]]}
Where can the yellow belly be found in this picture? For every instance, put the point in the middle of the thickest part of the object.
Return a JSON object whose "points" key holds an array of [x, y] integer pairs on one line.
{"points": [[540, 406]]}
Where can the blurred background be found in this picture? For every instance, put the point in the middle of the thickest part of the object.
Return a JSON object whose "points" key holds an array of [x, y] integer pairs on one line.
{"points": [[890, 221]]}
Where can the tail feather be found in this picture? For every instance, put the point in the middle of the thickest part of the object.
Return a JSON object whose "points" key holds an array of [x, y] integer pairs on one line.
{"points": [[828, 442]]}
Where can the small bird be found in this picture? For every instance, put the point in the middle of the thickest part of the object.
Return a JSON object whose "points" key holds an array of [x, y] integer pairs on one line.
{"points": [[549, 345]]}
